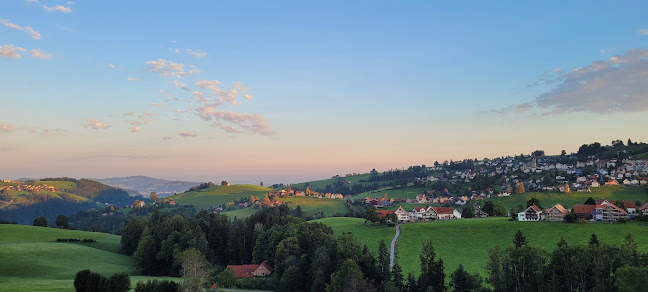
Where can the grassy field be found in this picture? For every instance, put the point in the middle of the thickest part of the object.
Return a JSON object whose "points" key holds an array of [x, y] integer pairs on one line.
{"points": [[576, 198], [467, 241], [240, 213], [218, 195], [321, 184], [310, 205], [59, 185], [410, 192], [371, 235], [32, 260], [642, 156]]}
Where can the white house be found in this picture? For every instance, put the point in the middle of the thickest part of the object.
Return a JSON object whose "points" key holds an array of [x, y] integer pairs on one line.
{"points": [[533, 213]]}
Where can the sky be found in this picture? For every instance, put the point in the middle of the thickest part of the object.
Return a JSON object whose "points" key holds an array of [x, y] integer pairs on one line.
{"points": [[290, 91]]}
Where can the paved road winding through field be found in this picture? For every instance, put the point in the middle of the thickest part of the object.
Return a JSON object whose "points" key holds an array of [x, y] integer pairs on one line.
{"points": [[391, 255]]}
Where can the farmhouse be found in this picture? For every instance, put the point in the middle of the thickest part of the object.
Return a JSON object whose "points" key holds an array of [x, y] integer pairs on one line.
{"points": [[533, 213], [556, 213], [445, 213], [479, 213], [402, 215], [249, 271], [643, 210]]}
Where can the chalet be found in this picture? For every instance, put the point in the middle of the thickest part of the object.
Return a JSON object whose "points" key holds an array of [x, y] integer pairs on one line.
{"points": [[643, 210], [533, 213], [479, 213], [628, 205], [446, 213], [249, 271], [402, 215], [611, 212], [556, 213], [585, 211]]}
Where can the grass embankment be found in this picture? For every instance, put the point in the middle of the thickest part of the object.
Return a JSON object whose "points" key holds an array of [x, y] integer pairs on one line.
{"points": [[32, 260], [214, 196], [467, 241], [371, 235]]}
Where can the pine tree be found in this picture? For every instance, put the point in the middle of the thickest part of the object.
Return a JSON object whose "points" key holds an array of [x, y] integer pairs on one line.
{"points": [[520, 240], [594, 240], [432, 274]]}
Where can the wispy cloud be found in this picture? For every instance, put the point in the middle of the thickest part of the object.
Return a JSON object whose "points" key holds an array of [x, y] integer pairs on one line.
{"points": [[155, 104], [95, 124], [10, 51], [132, 79], [231, 96], [31, 1], [180, 85], [618, 84], [111, 66], [38, 54], [232, 122], [57, 8], [643, 31], [136, 121], [30, 31], [188, 134], [145, 156], [196, 54], [170, 68], [6, 128]]}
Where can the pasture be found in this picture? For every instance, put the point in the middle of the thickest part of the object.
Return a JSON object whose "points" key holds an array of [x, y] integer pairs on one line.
{"points": [[215, 196]]}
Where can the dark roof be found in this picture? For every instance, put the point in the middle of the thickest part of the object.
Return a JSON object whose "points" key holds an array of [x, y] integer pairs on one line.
{"points": [[584, 209]]}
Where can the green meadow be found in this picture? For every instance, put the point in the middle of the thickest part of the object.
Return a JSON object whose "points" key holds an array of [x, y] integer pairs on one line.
{"points": [[466, 241], [410, 192], [371, 235], [32, 260], [576, 198], [311, 205], [214, 196], [61, 185], [321, 184]]}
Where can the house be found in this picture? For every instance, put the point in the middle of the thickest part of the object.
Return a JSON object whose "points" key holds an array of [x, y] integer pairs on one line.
{"points": [[533, 213], [556, 213], [479, 213], [386, 214], [248, 271], [612, 182], [446, 213], [402, 215], [595, 184], [628, 205], [643, 210], [611, 212], [585, 211]]}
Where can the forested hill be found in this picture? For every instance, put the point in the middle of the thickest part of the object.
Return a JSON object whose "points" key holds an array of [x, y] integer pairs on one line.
{"points": [[23, 201]]}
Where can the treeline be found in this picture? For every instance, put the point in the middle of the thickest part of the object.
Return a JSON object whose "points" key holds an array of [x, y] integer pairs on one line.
{"points": [[48, 209], [202, 186], [617, 149]]}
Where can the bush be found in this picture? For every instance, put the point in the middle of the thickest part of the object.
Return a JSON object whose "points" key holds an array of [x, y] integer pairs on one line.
{"points": [[157, 286], [89, 281], [40, 221]]}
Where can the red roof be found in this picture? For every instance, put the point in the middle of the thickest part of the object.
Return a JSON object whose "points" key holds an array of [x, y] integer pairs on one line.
{"points": [[384, 213], [267, 266], [535, 208], [418, 209], [444, 210], [643, 207], [244, 271], [584, 209], [618, 209]]}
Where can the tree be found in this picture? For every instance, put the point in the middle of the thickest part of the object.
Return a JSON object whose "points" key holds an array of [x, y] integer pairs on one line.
{"points": [[62, 221], [383, 262], [519, 240], [80, 280], [371, 214], [225, 183], [432, 275], [261, 184], [620, 204], [226, 278], [499, 209], [461, 281], [298, 212], [519, 188], [590, 201], [630, 279], [153, 197], [40, 221], [468, 212], [291, 280], [195, 270], [571, 217], [131, 234], [119, 282], [563, 153], [348, 278], [534, 201], [593, 241], [488, 208]]}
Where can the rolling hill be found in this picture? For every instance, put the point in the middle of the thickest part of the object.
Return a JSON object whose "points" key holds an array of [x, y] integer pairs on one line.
{"points": [[32, 260], [217, 195], [466, 241]]}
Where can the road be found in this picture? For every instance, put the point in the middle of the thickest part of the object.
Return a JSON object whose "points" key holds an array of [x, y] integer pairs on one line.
{"points": [[393, 245]]}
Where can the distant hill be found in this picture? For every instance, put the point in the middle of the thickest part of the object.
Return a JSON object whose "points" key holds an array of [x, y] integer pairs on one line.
{"points": [[144, 185]]}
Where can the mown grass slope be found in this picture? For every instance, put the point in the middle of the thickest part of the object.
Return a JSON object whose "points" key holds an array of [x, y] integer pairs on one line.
{"points": [[466, 241], [311, 205], [214, 196], [371, 235], [32, 260]]}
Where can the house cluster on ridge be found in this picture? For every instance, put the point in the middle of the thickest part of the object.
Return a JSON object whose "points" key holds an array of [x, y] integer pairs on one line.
{"points": [[603, 210]]}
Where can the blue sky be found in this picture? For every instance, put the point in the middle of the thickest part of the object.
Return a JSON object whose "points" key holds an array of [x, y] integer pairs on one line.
{"points": [[120, 88]]}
